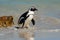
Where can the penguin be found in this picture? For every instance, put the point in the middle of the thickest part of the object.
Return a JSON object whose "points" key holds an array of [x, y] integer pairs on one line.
{"points": [[27, 17]]}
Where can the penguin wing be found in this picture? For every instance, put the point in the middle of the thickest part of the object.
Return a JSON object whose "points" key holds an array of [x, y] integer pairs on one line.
{"points": [[24, 14], [33, 21], [24, 18], [21, 20]]}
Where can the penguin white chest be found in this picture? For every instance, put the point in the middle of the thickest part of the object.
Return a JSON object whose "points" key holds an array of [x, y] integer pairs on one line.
{"points": [[31, 13], [28, 20], [30, 17]]}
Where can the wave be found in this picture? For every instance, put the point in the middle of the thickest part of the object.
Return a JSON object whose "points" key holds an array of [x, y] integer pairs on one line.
{"points": [[52, 30]]}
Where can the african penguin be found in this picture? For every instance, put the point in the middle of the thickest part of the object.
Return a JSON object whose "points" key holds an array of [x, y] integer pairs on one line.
{"points": [[27, 17]]}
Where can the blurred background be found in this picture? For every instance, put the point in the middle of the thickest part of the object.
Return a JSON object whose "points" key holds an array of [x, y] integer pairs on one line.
{"points": [[47, 17]]}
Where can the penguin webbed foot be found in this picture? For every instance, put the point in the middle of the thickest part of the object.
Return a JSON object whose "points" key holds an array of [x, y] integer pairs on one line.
{"points": [[17, 27]]}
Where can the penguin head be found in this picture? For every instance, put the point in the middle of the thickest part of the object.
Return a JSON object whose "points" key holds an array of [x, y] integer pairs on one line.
{"points": [[33, 9]]}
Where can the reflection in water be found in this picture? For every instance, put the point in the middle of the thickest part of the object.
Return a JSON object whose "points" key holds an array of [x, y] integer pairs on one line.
{"points": [[26, 35]]}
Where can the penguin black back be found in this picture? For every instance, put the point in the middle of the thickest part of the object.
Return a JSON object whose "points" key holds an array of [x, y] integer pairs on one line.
{"points": [[22, 18]]}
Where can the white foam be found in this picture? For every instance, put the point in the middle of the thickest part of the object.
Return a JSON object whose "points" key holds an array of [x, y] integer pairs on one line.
{"points": [[51, 30], [55, 30]]}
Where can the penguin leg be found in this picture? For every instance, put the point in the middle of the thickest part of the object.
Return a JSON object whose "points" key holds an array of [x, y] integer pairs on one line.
{"points": [[23, 25], [26, 25]]}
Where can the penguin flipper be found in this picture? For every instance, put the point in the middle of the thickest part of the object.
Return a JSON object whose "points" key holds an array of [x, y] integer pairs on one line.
{"points": [[22, 17], [21, 21], [33, 21]]}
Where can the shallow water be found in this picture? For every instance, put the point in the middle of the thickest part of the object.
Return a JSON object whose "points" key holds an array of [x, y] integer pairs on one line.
{"points": [[25, 34], [47, 19]]}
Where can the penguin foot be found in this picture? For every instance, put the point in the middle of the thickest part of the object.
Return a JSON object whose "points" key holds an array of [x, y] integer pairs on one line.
{"points": [[17, 27]]}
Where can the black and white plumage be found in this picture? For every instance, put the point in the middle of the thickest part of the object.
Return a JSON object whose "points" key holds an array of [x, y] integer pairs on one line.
{"points": [[27, 17]]}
